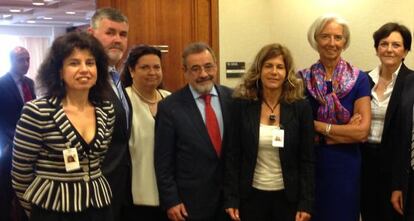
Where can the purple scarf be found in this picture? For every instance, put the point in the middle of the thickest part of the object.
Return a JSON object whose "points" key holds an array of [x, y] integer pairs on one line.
{"points": [[343, 80]]}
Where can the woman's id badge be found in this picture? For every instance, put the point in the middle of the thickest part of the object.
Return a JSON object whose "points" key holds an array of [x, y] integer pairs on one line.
{"points": [[278, 137], [70, 156]]}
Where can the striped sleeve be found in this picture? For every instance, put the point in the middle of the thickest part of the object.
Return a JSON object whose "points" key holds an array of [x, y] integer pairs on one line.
{"points": [[26, 146], [109, 111]]}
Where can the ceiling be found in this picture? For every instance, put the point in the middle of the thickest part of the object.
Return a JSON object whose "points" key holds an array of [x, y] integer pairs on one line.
{"points": [[54, 13]]}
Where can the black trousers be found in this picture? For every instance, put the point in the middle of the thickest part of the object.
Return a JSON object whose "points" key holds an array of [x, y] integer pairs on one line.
{"points": [[267, 206], [120, 181], [220, 215], [90, 214], [376, 186], [148, 213]]}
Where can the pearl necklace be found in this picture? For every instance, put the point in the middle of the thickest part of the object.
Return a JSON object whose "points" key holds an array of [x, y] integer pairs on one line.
{"points": [[146, 100]]}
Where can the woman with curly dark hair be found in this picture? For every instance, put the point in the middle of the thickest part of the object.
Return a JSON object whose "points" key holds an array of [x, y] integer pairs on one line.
{"points": [[61, 138]]}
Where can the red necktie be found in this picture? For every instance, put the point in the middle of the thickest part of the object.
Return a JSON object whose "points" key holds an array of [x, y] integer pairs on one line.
{"points": [[27, 95], [212, 124]]}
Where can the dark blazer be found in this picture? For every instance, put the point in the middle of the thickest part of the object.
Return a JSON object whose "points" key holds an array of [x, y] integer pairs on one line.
{"points": [[11, 104], [117, 164], [401, 161], [39, 174], [389, 133], [187, 167], [297, 155]]}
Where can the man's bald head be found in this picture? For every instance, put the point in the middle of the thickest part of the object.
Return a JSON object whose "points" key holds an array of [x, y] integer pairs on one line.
{"points": [[19, 60]]}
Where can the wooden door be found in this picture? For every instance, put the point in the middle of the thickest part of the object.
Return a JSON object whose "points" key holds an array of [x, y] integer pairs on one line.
{"points": [[174, 23]]}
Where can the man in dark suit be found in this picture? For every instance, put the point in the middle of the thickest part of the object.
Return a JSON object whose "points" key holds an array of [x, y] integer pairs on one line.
{"points": [[110, 27], [188, 161], [15, 90]]}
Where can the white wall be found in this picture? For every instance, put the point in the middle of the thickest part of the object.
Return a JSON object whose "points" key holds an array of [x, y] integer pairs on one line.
{"points": [[247, 25]]}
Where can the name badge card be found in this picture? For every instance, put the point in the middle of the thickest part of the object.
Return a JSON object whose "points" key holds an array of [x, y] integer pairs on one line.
{"points": [[278, 138], [70, 156]]}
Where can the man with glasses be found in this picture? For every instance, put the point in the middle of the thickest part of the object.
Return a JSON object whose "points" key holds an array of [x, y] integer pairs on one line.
{"points": [[190, 127]]}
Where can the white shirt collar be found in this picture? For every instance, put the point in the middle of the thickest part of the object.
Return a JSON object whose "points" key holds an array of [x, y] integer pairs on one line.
{"points": [[374, 74]]}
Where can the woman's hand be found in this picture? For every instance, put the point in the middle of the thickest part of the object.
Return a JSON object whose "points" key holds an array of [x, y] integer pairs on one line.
{"points": [[233, 213], [302, 216], [354, 121], [397, 201]]}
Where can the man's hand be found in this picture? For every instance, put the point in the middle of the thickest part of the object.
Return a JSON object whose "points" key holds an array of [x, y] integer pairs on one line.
{"points": [[233, 213], [397, 201], [302, 216], [177, 213]]}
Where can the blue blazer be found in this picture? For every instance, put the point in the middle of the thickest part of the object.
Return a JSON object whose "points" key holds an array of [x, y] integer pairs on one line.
{"points": [[187, 167]]}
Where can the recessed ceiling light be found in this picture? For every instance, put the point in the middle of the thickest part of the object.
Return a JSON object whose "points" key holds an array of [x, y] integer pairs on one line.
{"points": [[47, 18], [31, 21], [6, 16], [70, 13], [38, 2], [15, 10]]}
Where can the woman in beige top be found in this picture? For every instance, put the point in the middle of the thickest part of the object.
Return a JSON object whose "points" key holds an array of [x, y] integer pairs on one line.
{"points": [[142, 77]]}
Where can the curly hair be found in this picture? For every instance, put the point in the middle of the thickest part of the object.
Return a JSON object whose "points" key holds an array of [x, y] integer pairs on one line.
{"points": [[49, 78], [251, 86]]}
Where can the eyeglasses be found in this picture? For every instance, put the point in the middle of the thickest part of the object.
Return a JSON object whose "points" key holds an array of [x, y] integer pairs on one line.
{"points": [[327, 37], [197, 69]]}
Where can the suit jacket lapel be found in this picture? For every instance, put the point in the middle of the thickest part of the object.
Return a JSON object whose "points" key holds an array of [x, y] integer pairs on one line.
{"points": [[101, 122], [286, 114], [63, 124], [253, 118], [225, 108], [393, 104], [194, 113], [12, 87]]}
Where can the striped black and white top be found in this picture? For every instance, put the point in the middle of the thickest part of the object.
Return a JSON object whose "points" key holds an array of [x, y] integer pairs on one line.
{"points": [[38, 172]]}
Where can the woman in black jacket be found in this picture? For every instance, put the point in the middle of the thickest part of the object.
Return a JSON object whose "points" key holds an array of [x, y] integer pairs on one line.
{"points": [[392, 42], [269, 160]]}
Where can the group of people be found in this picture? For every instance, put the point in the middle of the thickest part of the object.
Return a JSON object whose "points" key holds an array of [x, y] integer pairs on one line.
{"points": [[329, 142]]}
